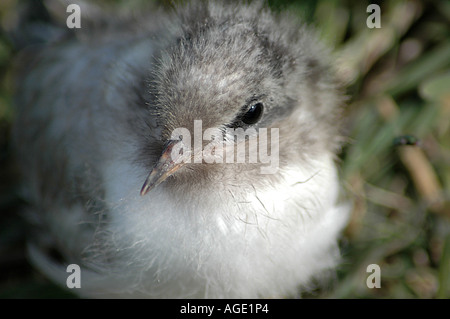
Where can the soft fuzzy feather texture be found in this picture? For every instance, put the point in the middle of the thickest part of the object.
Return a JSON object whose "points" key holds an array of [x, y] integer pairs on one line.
{"points": [[94, 112]]}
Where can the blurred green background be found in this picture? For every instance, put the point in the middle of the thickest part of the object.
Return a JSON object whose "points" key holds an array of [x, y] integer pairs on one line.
{"points": [[397, 79]]}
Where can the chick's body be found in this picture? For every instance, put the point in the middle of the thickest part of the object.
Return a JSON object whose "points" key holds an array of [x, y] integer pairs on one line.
{"points": [[95, 113]]}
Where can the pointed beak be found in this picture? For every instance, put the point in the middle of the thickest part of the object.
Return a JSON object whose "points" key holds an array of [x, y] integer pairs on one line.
{"points": [[169, 162]]}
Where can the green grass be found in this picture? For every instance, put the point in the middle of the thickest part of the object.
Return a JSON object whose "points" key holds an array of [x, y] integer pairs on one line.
{"points": [[398, 82]]}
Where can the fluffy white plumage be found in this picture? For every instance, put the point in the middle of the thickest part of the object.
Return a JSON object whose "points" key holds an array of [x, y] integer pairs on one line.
{"points": [[277, 239]]}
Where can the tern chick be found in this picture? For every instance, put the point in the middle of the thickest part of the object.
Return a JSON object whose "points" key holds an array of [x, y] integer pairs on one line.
{"points": [[183, 154]]}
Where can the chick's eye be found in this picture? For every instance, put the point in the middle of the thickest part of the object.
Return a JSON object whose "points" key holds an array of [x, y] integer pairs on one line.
{"points": [[253, 114]]}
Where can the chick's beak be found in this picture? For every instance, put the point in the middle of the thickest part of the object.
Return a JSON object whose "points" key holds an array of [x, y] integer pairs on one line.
{"points": [[169, 162]]}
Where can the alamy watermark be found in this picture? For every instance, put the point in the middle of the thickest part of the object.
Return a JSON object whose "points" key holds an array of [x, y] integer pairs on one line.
{"points": [[374, 279], [226, 146], [74, 279], [74, 18], [374, 19]]}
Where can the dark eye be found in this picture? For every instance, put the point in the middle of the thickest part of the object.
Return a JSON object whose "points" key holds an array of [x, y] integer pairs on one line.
{"points": [[253, 114]]}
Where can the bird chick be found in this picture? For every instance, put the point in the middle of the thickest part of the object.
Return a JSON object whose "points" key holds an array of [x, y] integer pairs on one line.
{"points": [[125, 179]]}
